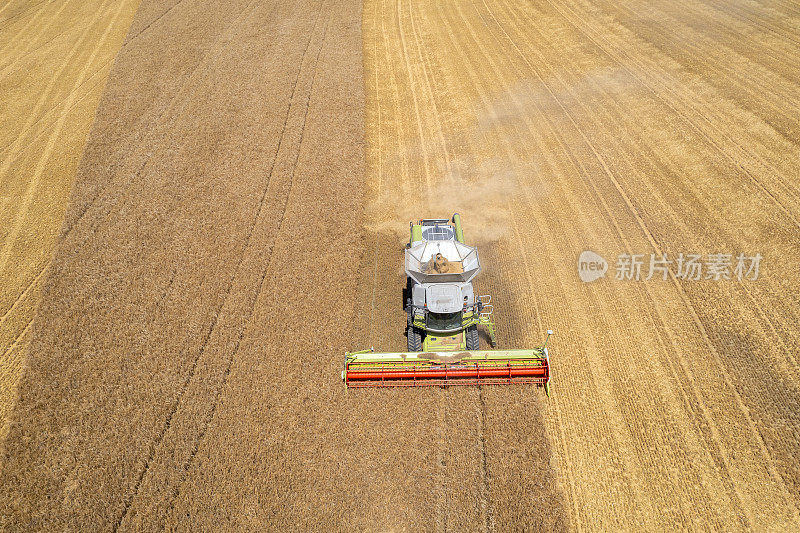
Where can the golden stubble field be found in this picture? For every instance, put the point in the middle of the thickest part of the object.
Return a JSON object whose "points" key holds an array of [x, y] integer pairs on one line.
{"points": [[54, 60], [637, 128]]}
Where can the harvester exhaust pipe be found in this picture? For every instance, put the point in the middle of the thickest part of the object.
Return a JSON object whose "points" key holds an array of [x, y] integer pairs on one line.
{"points": [[458, 230]]}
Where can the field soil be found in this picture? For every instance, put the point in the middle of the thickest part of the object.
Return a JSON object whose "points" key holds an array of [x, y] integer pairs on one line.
{"points": [[644, 128], [183, 370], [54, 61]]}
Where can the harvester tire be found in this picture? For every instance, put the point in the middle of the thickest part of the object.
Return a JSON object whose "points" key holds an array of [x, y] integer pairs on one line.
{"points": [[414, 339], [473, 341]]}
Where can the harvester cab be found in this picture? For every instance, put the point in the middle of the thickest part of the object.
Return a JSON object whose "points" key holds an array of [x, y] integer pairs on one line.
{"points": [[443, 315]]}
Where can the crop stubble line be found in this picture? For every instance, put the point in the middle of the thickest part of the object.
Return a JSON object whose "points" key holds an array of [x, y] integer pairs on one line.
{"points": [[687, 103], [16, 340], [730, 8], [43, 117], [404, 53], [268, 263], [701, 328], [765, 318], [621, 238], [404, 173], [45, 156], [201, 434], [759, 92], [4, 52], [690, 10], [24, 292], [474, 78], [34, 116], [20, 13], [46, 113], [537, 310], [431, 94], [692, 103]]}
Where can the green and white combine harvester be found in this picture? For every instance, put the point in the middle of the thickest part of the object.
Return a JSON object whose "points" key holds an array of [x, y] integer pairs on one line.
{"points": [[443, 319]]}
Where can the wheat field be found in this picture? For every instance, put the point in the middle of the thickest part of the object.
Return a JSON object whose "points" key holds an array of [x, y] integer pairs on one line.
{"points": [[237, 222]]}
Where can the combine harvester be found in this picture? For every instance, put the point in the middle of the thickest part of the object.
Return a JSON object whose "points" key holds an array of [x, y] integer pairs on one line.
{"points": [[443, 319]]}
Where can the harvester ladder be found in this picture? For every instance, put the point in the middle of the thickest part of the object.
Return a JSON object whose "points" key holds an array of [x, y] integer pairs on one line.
{"points": [[485, 317]]}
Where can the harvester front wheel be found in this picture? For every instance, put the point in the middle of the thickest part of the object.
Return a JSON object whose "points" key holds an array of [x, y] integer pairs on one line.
{"points": [[414, 339], [473, 341]]}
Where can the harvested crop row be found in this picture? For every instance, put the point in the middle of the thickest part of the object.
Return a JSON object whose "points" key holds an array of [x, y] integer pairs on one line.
{"points": [[54, 59]]}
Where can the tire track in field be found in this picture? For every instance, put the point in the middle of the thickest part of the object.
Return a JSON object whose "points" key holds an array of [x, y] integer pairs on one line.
{"points": [[154, 446], [14, 54], [165, 455], [27, 197]]}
